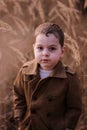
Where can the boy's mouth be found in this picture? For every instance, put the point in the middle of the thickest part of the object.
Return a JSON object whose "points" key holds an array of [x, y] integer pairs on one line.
{"points": [[44, 60]]}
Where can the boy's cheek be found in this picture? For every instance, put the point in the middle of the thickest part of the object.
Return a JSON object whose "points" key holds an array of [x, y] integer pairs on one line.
{"points": [[38, 58]]}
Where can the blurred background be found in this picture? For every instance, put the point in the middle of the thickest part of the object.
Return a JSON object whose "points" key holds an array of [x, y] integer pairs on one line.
{"points": [[18, 19]]}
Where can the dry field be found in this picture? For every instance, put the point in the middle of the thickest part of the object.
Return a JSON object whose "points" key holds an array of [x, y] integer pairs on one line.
{"points": [[18, 19]]}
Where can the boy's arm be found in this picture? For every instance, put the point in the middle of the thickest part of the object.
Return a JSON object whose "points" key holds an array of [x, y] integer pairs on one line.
{"points": [[19, 97], [73, 103]]}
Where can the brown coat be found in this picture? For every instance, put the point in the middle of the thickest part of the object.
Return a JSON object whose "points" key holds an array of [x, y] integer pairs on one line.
{"points": [[52, 103]]}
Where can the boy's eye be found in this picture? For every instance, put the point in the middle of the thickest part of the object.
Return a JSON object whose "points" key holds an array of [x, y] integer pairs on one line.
{"points": [[52, 48], [40, 48]]}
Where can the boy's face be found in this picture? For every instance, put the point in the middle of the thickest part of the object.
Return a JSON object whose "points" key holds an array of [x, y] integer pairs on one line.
{"points": [[47, 51]]}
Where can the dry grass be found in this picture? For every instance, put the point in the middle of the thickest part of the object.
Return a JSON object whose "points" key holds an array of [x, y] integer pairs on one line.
{"points": [[73, 46], [18, 18], [21, 25]]}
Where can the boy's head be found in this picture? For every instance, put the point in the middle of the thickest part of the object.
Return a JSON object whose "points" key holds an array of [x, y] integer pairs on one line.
{"points": [[49, 45], [51, 28]]}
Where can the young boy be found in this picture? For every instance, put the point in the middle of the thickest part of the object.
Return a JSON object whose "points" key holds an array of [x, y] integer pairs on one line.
{"points": [[47, 94]]}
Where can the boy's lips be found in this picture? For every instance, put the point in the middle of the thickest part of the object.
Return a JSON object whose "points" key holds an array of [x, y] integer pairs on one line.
{"points": [[44, 60]]}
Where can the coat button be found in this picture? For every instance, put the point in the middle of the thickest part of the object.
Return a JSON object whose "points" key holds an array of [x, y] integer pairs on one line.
{"points": [[33, 111], [34, 98], [49, 114], [50, 128], [49, 98]]}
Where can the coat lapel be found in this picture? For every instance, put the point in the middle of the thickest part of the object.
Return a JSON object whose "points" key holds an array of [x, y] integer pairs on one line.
{"points": [[31, 69], [59, 71]]}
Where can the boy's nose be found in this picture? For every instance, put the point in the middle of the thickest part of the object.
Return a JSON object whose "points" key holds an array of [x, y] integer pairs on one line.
{"points": [[45, 52]]}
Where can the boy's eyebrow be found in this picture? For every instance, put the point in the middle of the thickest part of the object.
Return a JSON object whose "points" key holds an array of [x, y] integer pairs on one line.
{"points": [[53, 45], [39, 45], [47, 46]]}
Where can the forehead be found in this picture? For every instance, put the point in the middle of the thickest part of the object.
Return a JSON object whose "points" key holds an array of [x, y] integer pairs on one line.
{"points": [[50, 39]]}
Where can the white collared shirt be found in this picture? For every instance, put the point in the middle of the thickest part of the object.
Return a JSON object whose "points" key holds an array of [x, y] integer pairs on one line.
{"points": [[45, 73]]}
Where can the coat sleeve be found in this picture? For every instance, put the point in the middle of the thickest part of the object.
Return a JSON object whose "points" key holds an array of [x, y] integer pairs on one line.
{"points": [[19, 97], [73, 102]]}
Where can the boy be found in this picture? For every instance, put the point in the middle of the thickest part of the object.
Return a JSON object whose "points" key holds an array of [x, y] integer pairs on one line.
{"points": [[47, 94]]}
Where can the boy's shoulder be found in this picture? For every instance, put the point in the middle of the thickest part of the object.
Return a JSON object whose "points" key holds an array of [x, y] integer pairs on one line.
{"points": [[69, 70], [28, 63], [28, 67]]}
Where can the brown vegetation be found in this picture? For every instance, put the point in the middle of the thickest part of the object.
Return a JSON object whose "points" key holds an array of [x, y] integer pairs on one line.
{"points": [[18, 19]]}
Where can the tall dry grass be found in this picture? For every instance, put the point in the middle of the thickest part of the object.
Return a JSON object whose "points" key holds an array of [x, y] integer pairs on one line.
{"points": [[18, 19]]}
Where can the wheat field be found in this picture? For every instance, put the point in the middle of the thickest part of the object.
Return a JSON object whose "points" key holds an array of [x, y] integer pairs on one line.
{"points": [[18, 19]]}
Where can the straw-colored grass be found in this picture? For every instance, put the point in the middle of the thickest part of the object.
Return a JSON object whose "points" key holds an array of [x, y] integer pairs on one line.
{"points": [[18, 19]]}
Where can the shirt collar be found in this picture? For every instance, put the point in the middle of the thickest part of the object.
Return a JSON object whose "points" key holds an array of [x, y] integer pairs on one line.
{"points": [[32, 68]]}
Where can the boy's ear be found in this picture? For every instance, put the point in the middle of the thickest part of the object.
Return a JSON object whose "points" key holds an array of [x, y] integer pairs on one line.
{"points": [[63, 51], [33, 45]]}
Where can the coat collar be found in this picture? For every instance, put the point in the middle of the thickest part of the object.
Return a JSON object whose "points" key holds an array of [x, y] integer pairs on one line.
{"points": [[59, 71], [32, 68]]}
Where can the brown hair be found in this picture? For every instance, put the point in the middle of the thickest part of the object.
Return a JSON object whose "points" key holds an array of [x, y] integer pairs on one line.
{"points": [[47, 28]]}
